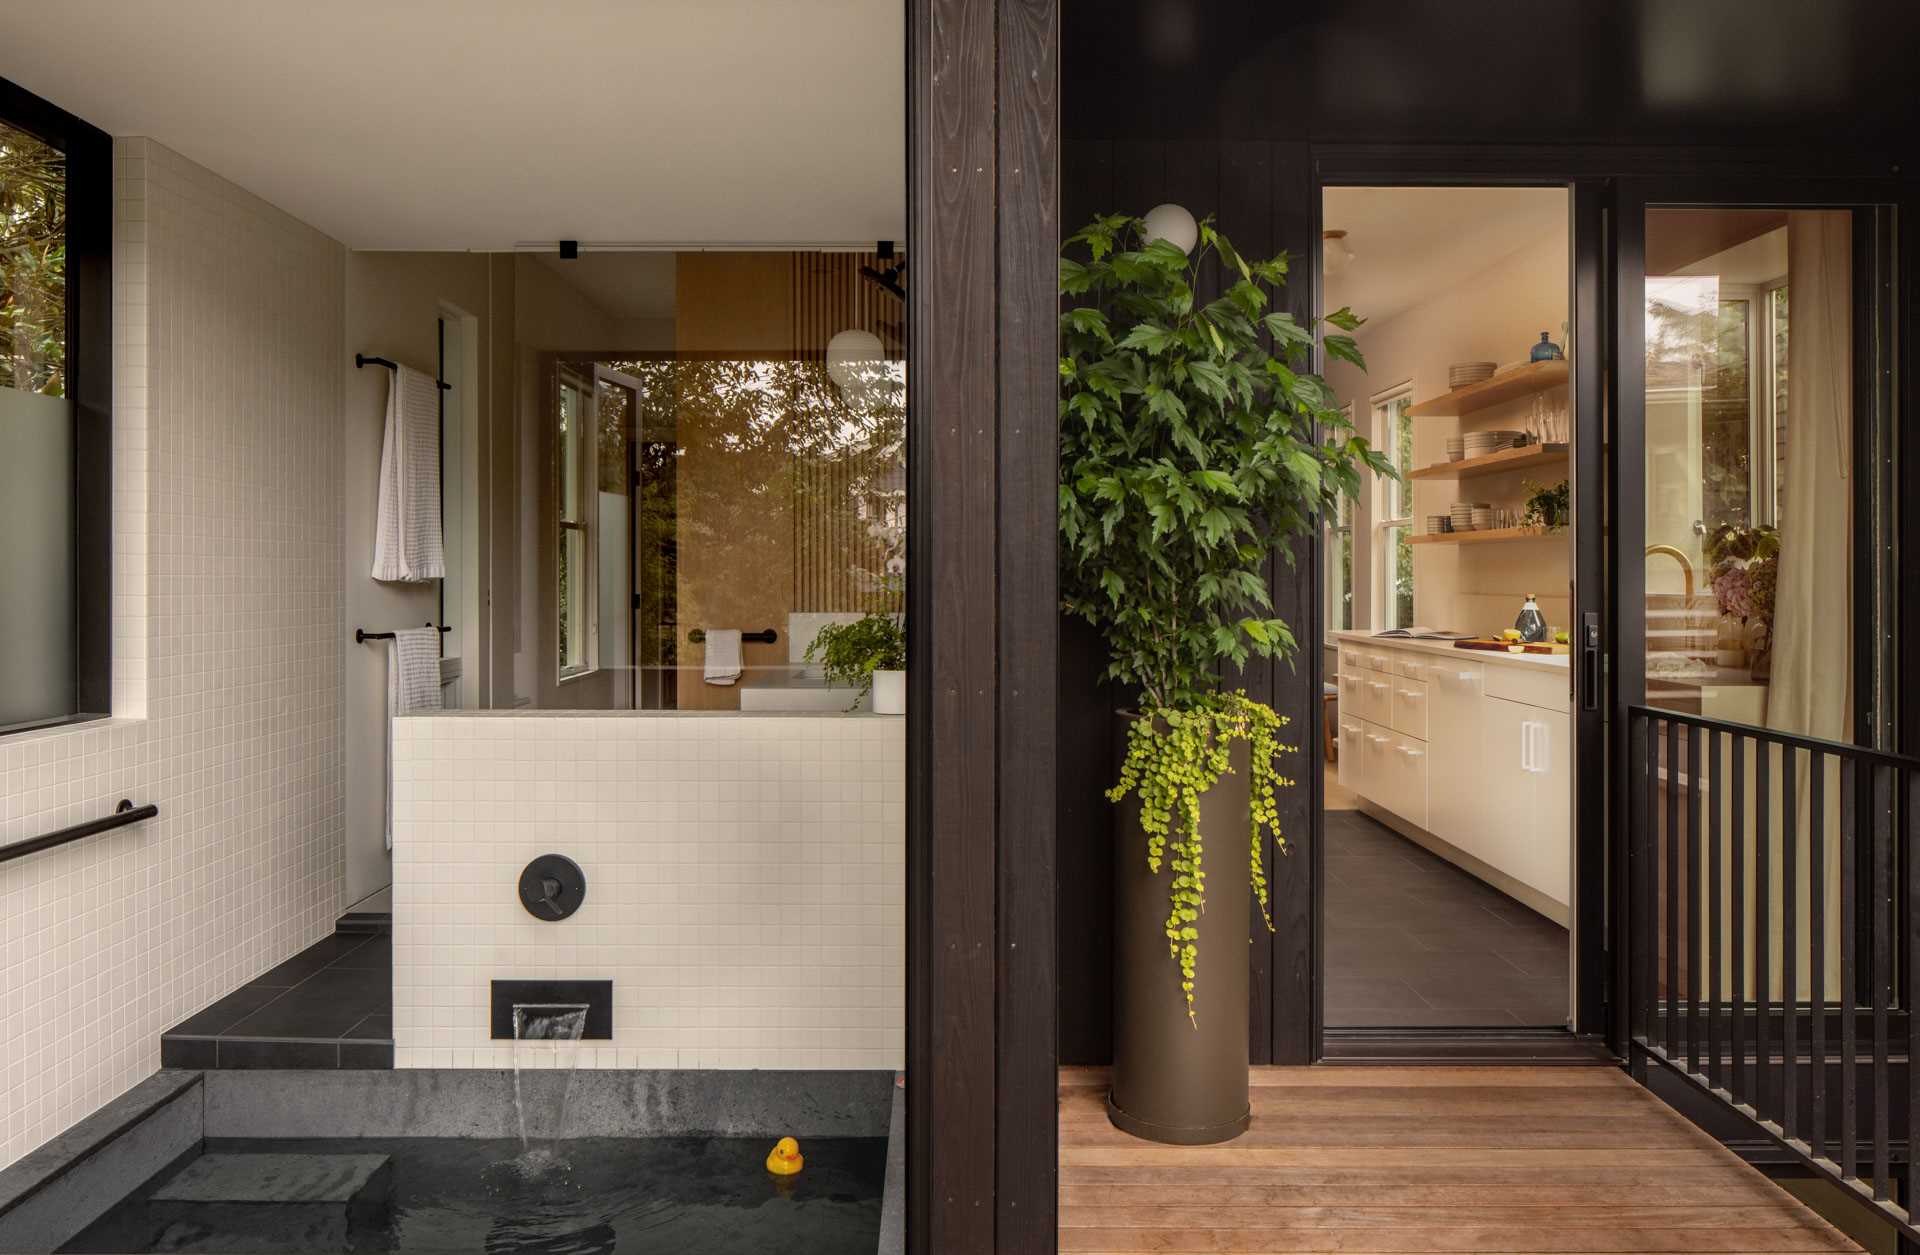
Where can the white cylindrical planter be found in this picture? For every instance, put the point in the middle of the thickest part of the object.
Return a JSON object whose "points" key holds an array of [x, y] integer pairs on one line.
{"points": [[889, 692]]}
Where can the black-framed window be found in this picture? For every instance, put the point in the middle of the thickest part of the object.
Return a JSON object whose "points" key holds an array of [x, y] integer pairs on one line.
{"points": [[56, 483]]}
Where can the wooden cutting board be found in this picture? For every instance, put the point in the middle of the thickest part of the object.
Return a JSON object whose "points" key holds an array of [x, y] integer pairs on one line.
{"points": [[1492, 646]]}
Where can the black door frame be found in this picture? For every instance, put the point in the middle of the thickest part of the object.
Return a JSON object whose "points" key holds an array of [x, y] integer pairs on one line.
{"points": [[1885, 203], [1587, 193], [1600, 179]]}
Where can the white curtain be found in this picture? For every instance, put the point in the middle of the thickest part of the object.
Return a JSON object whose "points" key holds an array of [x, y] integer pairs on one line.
{"points": [[1812, 687]]}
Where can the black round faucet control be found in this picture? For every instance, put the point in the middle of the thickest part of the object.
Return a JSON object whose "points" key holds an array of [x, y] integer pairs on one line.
{"points": [[552, 887]]}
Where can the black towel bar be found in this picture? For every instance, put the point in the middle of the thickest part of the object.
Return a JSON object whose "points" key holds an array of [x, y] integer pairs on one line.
{"points": [[361, 636], [766, 637], [123, 814], [363, 360]]}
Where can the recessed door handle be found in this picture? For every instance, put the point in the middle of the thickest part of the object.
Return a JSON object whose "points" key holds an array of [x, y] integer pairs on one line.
{"points": [[1590, 660]]}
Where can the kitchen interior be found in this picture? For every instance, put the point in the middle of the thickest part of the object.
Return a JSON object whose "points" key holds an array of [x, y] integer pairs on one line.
{"points": [[1447, 605]]}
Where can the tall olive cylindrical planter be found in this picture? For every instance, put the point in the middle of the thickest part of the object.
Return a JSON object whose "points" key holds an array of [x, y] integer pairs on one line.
{"points": [[1174, 1080]]}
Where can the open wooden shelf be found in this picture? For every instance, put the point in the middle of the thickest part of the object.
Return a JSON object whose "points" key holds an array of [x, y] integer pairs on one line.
{"points": [[1492, 463], [1485, 536], [1533, 377]]}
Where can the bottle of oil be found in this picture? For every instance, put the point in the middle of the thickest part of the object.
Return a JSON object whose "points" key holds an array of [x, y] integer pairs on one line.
{"points": [[1531, 624]]}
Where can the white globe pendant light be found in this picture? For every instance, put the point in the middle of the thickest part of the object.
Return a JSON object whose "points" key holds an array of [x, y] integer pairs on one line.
{"points": [[853, 359], [1174, 225]]}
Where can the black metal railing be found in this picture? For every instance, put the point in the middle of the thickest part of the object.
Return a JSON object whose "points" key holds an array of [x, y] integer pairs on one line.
{"points": [[1772, 951], [123, 814]]}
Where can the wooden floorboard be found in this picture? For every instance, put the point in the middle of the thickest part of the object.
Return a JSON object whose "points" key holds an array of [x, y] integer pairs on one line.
{"points": [[1477, 1160]]}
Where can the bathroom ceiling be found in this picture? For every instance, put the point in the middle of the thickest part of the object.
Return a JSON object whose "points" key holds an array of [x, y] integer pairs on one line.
{"points": [[1410, 243], [482, 124]]}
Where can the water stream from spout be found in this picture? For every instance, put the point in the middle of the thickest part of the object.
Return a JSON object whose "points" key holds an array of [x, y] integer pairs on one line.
{"points": [[557, 1030]]}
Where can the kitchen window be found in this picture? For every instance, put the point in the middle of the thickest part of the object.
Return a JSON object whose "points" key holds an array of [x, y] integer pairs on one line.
{"points": [[1393, 508], [1337, 557], [56, 496]]}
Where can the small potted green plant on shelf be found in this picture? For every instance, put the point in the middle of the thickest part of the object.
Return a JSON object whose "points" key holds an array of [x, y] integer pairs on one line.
{"points": [[1196, 443], [871, 654], [1548, 509]]}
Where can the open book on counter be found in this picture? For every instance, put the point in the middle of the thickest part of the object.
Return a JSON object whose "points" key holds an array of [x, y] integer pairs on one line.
{"points": [[1426, 634]]}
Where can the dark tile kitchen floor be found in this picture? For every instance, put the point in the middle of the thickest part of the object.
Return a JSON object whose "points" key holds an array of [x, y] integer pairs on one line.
{"points": [[330, 1006], [1414, 942]]}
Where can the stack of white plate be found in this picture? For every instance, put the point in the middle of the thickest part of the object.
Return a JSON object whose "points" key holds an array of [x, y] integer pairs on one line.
{"points": [[1462, 513], [1482, 518], [1460, 374], [1480, 443], [1456, 448], [1436, 523]]}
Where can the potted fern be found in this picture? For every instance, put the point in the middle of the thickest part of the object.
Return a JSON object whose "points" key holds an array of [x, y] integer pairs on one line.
{"points": [[871, 654], [1196, 441]]}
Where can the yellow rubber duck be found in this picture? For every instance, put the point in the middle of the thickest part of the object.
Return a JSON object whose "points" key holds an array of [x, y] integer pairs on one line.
{"points": [[784, 1159]]}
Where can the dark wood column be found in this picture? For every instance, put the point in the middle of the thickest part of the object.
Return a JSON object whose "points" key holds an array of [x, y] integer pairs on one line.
{"points": [[983, 450]]}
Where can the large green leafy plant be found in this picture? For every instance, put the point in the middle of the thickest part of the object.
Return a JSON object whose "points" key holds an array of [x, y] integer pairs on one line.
{"points": [[1196, 440]]}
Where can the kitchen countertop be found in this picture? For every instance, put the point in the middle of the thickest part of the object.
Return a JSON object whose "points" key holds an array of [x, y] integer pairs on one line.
{"points": [[1539, 662]]}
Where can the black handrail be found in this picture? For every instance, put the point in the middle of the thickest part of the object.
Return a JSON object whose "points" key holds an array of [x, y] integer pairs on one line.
{"points": [[1773, 954], [123, 814], [1773, 736]]}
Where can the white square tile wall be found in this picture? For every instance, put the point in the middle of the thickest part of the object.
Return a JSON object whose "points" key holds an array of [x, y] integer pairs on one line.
{"points": [[745, 883], [228, 344]]}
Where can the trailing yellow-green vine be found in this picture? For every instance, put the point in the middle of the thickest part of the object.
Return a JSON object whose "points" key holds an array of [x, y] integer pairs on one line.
{"points": [[1173, 757]]}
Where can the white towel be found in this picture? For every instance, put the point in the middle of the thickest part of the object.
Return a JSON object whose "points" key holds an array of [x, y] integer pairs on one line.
{"points": [[407, 544], [723, 655], [413, 684]]}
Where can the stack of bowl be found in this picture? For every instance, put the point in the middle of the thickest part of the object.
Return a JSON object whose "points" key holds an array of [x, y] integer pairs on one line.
{"points": [[1482, 518], [1436, 523], [1463, 513], [1456, 448], [1463, 374]]}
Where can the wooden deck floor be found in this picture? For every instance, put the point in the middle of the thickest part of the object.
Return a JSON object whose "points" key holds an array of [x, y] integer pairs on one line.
{"points": [[1373, 1159]]}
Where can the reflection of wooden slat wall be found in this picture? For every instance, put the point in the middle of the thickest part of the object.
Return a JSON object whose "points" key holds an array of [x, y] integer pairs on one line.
{"points": [[829, 296]]}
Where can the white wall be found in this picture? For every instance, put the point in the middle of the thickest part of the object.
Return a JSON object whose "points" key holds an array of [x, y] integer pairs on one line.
{"points": [[226, 687], [1494, 316], [745, 883]]}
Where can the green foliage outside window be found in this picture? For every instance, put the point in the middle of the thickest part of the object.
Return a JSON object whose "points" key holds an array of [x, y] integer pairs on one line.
{"points": [[33, 264]]}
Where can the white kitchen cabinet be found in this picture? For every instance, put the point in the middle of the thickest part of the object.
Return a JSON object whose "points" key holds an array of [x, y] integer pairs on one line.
{"points": [[1353, 755], [1527, 783], [1456, 790], [1472, 748]]}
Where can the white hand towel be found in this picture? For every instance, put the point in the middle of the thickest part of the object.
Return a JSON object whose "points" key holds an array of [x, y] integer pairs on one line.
{"points": [[407, 544], [413, 684], [723, 656]]}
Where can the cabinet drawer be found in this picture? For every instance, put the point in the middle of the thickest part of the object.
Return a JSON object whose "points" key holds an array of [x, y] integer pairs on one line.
{"points": [[1408, 707], [1353, 691], [1530, 686], [1409, 758], [1351, 661], [1380, 661], [1376, 698], [1377, 762], [1353, 755], [1411, 666]]}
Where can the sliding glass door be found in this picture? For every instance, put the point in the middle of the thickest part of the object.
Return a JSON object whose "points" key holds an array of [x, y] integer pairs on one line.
{"points": [[1752, 480]]}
